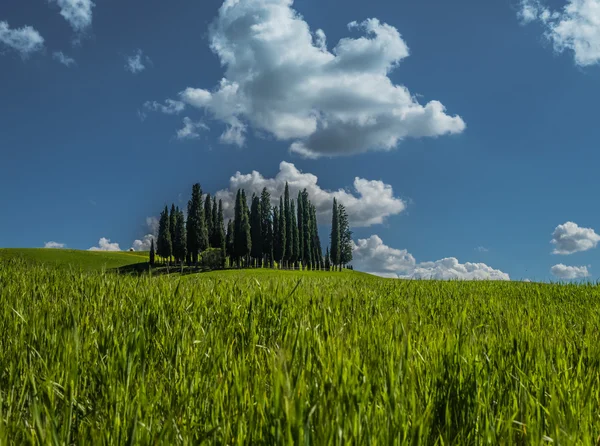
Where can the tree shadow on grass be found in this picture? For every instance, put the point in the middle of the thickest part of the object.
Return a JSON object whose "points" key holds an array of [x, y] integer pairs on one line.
{"points": [[139, 269]]}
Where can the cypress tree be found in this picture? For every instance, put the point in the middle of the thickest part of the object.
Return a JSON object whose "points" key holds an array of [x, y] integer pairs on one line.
{"points": [[327, 260], [307, 259], [300, 222], [294, 258], [179, 243], [220, 229], [256, 229], [197, 237], [246, 234], [214, 239], [208, 216], [345, 236], [289, 241], [230, 242], [237, 227], [172, 225], [152, 254], [335, 236], [276, 235], [266, 226], [282, 232], [317, 250], [164, 244]]}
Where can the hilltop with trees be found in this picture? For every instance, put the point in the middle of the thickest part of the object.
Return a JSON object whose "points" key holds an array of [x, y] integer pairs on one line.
{"points": [[258, 236]]}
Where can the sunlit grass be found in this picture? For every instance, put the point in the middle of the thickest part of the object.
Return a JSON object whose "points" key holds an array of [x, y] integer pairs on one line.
{"points": [[246, 357]]}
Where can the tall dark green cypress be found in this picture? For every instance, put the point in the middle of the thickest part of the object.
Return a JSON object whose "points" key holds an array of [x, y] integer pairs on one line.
{"points": [[300, 222], [256, 230], [246, 230], [179, 243], [276, 236], [266, 226], [220, 229], [317, 249], [230, 242], [289, 241], [327, 259], [282, 233], [152, 252], [164, 244], [208, 215], [172, 226], [197, 235], [294, 236], [237, 227], [214, 239], [335, 235], [345, 236], [306, 237]]}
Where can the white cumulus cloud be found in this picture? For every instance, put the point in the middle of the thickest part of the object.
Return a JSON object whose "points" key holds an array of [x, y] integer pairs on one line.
{"points": [[569, 238], [371, 202], [143, 244], [54, 245], [25, 40], [105, 244], [576, 28], [63, 58], [569, 272], [77, 12], [280, 78], [137, 62], [191, 129], [373, 256]]}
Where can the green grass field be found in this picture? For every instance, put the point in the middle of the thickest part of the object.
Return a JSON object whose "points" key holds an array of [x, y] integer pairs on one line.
{"points": [[265, 357], [87, 260]]}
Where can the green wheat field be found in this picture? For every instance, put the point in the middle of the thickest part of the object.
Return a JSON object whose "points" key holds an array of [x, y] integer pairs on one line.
{"points": [[88, 356]]}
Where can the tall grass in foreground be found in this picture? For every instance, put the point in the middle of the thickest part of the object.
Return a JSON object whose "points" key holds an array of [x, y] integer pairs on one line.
{"points": [[331, 359]]}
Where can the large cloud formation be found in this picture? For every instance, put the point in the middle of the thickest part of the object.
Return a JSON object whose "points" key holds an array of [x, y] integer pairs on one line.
{"points": [[570, 238], [373, 202], [373, 256], [25, 40], [569, 272], [575, 28], [281, 78]]}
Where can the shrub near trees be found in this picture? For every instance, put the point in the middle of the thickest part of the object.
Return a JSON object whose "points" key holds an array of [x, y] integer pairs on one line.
{"points": [[263, 236]]}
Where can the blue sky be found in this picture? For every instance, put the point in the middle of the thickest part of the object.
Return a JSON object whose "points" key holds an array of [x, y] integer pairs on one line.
{"points": [[89, 148]]}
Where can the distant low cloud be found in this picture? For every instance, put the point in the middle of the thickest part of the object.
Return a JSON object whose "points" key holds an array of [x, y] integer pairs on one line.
{"points": [[63, 59], [576, 28], [281, 78], [77, 12], [104, 244], [569, 272], [54, 245], [25, 40], [373, 256], [370, 203], [482, 249], [569, 238], [137, 62], [191, 129], [144, 244]]}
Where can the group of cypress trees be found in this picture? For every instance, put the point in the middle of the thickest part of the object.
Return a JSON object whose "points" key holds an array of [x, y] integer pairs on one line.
{"points": [[183, 240], [257, 236]]}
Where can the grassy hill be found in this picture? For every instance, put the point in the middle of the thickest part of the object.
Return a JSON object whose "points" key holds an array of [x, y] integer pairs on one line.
{"points": [[86, 260], [280, 357]]}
